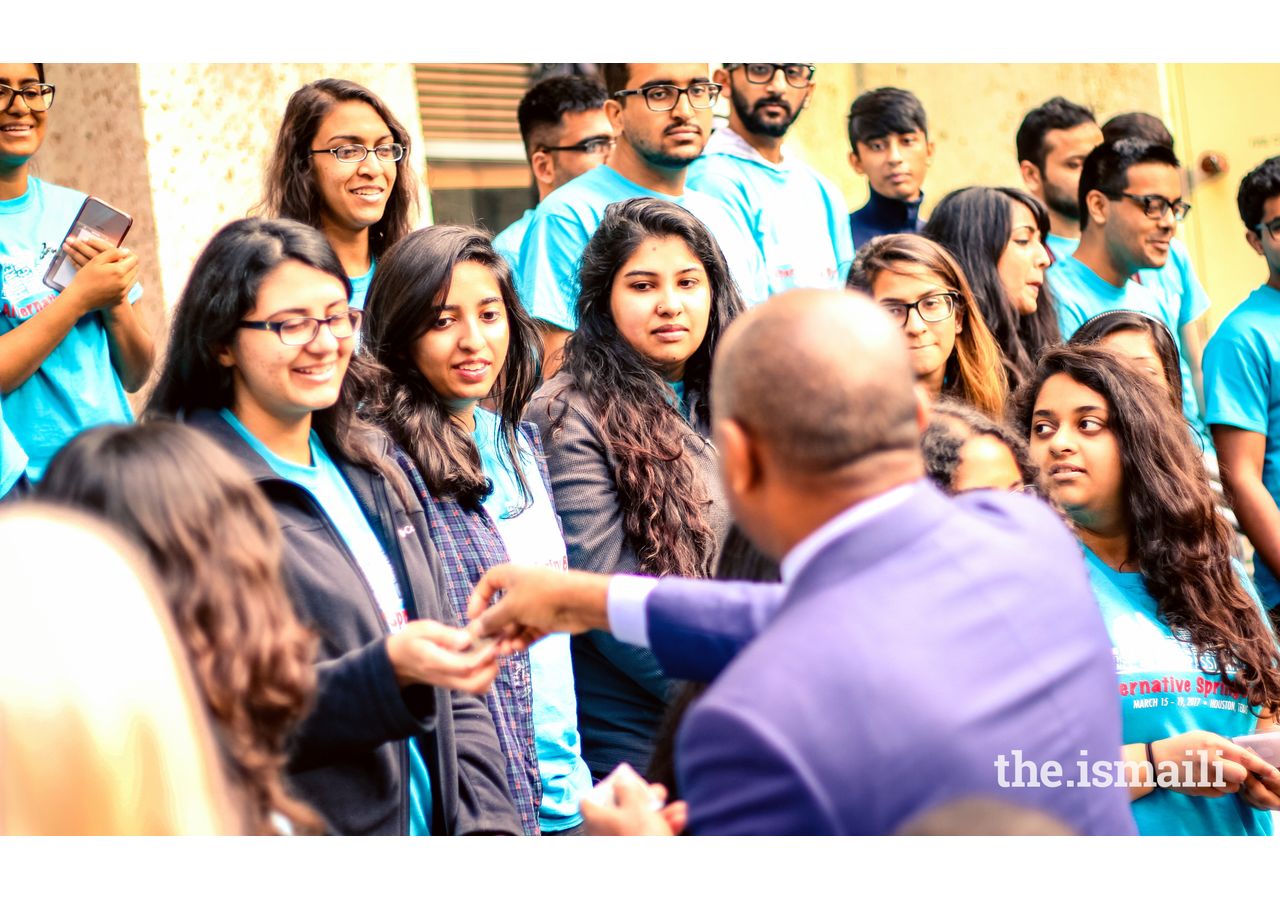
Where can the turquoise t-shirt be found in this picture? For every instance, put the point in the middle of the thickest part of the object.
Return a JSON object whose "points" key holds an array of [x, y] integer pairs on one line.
{"points": [[533, 537], [1164, 692], [360, 285], [1182, 300], [507, 241], [1242, 389], [564, 222], [796, 216], [76, 387], [13, 460], [324, 481]]}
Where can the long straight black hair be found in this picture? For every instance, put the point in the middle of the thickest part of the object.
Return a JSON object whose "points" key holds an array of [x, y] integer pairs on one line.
{"points": [[408, 291], [975, 224]]}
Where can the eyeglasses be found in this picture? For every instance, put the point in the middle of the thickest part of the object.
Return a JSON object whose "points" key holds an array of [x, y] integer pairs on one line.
{"points": [[1155, 206], [302, 330], [38, 97], [354, 153], [798, 75], [934, 308], [591, 146], [664, 97], [1272, 228]]}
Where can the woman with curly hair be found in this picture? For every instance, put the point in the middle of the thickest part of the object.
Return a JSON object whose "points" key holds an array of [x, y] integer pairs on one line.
{"points": [[1196, 660], [361, 195], [626, 422], [214, 544], [923, 288], [966, 451], [997, 235], [447, 330]]}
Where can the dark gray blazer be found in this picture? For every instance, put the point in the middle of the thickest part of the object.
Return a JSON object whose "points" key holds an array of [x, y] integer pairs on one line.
{"points": [[622, 692]]}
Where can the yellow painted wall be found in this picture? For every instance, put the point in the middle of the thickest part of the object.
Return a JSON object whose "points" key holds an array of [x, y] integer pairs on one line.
{"points": [[1232, 111]]}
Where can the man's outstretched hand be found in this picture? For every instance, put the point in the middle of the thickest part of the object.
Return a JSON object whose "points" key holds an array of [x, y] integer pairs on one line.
{"points": [[636, 808], [535, 602]]}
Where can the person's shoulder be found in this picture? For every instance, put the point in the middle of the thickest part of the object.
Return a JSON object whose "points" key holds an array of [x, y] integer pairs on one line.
{"points": [[1021, 520], [553, 398], [56, 197]]}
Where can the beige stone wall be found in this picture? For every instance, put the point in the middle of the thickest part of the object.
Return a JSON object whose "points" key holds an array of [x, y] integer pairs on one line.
{"points": [[183, 148], [974, 111]]}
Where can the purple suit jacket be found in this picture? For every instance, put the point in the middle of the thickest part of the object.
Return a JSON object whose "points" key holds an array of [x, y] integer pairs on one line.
{"points": [[902, 663]]}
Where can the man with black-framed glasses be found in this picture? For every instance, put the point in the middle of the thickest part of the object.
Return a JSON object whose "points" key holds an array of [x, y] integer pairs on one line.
{"points": [[661, 117], [565, 133], [1242, 386], [796, 215], [1131, 202]]}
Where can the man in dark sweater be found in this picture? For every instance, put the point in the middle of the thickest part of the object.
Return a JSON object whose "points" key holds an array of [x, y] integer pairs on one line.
{"points": [[889, 141]]}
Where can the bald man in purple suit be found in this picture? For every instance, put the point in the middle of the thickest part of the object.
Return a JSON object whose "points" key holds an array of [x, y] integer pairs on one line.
{"points": [[920, 649]]}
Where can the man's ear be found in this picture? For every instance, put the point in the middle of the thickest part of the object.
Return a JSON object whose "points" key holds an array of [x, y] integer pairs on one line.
{"points": [[544, 169], [1096, 206], [740, 464], [1031, 177], [721, 77], [808, 95], [1254, 241], [613, 109], [856, 163]]}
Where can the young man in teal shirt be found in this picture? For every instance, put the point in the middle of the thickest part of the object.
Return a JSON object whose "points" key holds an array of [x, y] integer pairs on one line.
{"points": [[796, 215], [661, 116], [565, 133], [1242, 385]]}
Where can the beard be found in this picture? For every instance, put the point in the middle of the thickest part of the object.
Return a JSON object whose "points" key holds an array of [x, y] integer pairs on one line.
{"points": [[1064, 204], [755, 123]]}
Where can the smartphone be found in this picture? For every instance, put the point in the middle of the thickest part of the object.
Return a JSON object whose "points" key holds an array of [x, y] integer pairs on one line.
{"points": [[1264, 743], [95, 219]]}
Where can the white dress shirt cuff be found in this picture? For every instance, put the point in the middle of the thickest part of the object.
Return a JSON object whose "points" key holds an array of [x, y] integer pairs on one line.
{"points": [[627, 607]]}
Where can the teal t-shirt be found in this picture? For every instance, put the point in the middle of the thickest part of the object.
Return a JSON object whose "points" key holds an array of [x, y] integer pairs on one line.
{"points": [[1164, 692], [564, 222], [1060, 247], [13, 460], [796, 216], [1242, 389], [76, 387], [360, 285], [324, 481], [533, 537], [507, 242]]}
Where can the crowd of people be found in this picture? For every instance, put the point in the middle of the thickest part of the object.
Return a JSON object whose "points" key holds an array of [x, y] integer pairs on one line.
{"points": [[690, 502]]}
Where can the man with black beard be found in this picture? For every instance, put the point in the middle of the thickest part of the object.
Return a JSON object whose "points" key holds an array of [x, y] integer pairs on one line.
{"points": [[796, 216], [661, 116], [1053, 141]]}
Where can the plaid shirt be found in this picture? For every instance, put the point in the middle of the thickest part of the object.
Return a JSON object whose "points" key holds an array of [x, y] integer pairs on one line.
{"points": [[469, 544]]}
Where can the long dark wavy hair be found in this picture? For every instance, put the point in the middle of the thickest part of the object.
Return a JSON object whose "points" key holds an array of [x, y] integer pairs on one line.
{"points": [[974, 224], [215, 544], [222, 290], [405, 299], [1181, 544], [973, 373], [290, 190], [660, 492]]}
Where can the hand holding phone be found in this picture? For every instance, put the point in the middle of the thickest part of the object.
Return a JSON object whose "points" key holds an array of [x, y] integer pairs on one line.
{"points": [[95, 222]]}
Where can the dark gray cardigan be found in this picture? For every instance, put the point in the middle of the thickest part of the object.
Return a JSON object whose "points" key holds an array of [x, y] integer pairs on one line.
{"points": [[621, 690]]}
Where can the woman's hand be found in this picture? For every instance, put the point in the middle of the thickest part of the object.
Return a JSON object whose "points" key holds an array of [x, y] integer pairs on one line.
{"points": [[430, 652], [106, 275], [1204, 764]]}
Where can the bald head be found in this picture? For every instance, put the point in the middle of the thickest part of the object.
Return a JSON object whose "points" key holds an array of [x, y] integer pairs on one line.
{"points": [[820, 377]]}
